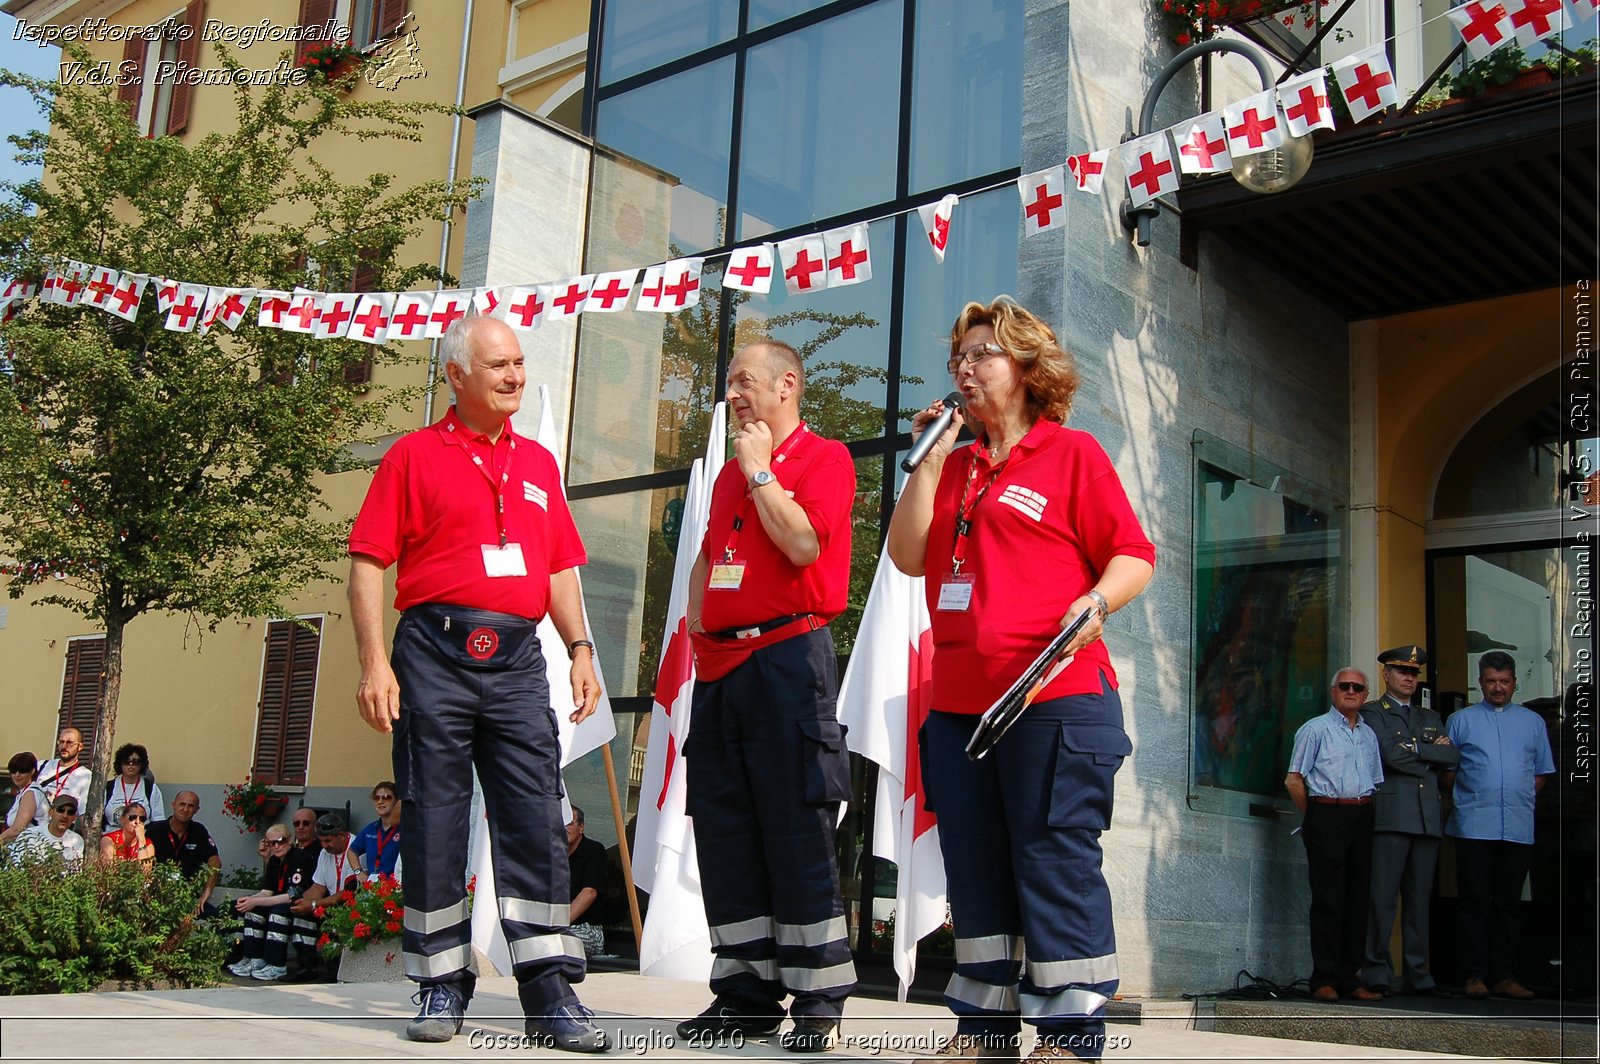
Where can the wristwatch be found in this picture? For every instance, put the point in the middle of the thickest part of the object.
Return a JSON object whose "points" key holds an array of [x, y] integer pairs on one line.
{"points": [[761, 479]]}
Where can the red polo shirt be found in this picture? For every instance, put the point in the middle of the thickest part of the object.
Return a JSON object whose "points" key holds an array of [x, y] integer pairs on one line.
{"points": [[819, 475], [1041, 535], [431, 509]]}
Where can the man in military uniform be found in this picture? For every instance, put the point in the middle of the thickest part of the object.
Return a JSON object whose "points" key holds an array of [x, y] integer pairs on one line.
{"points": [[1408, 821]]}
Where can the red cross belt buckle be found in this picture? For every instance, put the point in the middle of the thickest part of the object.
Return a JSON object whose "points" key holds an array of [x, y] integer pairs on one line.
{"points": [[482, 643]]}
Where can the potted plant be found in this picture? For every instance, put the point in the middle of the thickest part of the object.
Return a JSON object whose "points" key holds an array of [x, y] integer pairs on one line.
{"points": [[253, 804], [1191, 21], [1506, 67], [331, 62]]}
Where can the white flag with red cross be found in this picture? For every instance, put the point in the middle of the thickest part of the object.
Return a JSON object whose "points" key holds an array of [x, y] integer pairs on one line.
{"points": [[63, 285], [1534, 20], [125, 297], [166, 293], [226, 307], [19, 289], [100, 283], [804, 260], [671, 286], [1304, 100], [337, 310], [610, 291], [1367, 82], [1043, 200], [936, 223], [1148, 167], [1202, 145], [274, 305], [305, 310], [187, 307], [676, 943], [412, 313], [525, 306], [486, 300], [449, 307], [1253, 125], [568, 297], [370, 324], [849, 255], [749, 269], [1483, 25], [1579, 10], [883, 700], [1088, 170]]}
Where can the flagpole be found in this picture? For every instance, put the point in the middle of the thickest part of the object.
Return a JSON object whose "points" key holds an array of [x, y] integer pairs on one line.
{"points": [[622, 850]]}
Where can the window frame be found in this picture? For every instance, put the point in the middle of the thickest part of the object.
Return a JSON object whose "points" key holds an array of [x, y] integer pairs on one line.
{"points": [[279, 773]]}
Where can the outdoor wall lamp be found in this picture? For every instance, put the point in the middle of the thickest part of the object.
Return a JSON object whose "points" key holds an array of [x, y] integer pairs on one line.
{"points": [[1271, 171]]}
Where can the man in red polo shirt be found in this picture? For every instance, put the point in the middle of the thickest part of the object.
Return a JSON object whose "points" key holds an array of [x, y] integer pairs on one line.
{"points": [[767, 766], [474, 518]]}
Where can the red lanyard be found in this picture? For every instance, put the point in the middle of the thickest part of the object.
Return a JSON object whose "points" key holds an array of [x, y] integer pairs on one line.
{"points": [[338, 873], [780, 455], [384, 838], [123, 787], [61, 779], [499, 488], [176, 839], [969, 504]]}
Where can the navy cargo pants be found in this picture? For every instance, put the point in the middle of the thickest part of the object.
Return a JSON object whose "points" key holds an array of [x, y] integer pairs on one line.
{"points": [[767, 769], [473, 692]]}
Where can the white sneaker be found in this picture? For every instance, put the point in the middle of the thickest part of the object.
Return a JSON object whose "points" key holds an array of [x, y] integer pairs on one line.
{"points": [[246, 968], [269, 973]]}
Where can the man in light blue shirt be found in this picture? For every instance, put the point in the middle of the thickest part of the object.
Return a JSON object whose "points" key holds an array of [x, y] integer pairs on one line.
{"points": [[1505, 760], [1333, 771]]}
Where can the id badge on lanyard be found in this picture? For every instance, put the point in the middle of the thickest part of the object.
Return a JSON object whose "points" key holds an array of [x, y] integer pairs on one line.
{"points": [[726, 576], [503, 560], [955, 593]]}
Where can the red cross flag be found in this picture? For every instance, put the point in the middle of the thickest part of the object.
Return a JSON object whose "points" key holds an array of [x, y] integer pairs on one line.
{"points": [[1043, 200], [1578, 10], [370, 324], [1149, 167], [749, 269], [124, 301], [305, 307], [568, 297], [849, 256], [936, 223], [1253, 124], [610, 291], [1484, 26], [411, 314], [1534, 20], [1089, 170], [804, 263], [671, 287], [1367, 82], [15, 289], [1304, 101], [274, 305], [1202, 145], [63, 284], [449, 307], [166, 293], [101, 282], [337, 310], [226, 307], [525, 306], [187, 308], [486, 300]]}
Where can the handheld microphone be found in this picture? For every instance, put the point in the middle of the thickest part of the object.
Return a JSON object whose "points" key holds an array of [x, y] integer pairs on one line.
{"points": [[930, 435]]}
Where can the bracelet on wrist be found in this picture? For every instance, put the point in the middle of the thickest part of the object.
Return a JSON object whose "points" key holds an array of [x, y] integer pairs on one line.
{"points": [[1100, 603], [572, 648]]}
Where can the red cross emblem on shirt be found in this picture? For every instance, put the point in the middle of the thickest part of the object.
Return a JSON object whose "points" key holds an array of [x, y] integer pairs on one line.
{"points": [[482, 643]]}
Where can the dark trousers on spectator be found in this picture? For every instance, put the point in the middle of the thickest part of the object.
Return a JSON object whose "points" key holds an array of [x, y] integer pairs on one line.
{"points": [[266, 934], [1489, 878], [1338, 841]]}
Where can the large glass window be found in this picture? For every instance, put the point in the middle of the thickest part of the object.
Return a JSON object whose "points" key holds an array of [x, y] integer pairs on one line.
{"points": [[767, 12], [966, 95], [821, 114], [639, 35], [1268, 624]]}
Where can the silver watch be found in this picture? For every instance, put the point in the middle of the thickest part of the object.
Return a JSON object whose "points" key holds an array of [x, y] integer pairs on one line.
{"points": [[761, 479]]}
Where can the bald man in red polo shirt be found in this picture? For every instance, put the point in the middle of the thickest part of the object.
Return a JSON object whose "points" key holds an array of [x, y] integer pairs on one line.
{"points": [[474, 517], [767, 767]]}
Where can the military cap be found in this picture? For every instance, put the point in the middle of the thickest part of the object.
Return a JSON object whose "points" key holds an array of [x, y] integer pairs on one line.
{"points": [[1406, 657]]}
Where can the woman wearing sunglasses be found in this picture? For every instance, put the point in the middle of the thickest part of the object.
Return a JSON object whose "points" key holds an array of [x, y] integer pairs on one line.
{"points": [[128, 842], [29, 805], [267, 923], [133, 783]]}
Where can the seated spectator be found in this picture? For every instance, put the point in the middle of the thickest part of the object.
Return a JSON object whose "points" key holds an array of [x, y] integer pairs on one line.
{"points": [[29, 805], [586, 863], [338, 868], [133, 782], [378, 844], [128, 842], [184, 841], [267, 923], [56, 834], [65, 773]]}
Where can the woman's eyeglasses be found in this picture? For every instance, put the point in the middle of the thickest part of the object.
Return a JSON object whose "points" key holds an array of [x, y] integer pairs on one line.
{"points": [[134, 819], [974, 354], [277, 842]]}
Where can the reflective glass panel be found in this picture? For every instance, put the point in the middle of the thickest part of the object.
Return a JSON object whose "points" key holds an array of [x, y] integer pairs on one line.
{"points": [[821, 121], [767, 12], [641, 34], [966, 94]]}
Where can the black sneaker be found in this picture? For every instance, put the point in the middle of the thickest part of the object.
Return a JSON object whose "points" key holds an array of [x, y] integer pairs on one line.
{"points": [[570, 1027], [726, 1016], [439, 1019], [810, 1034]]}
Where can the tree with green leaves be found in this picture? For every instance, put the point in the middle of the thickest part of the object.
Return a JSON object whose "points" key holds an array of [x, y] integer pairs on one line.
{"points": [[146, 470]]}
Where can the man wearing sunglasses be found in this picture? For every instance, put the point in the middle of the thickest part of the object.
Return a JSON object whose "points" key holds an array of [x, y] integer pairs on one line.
{"points": [[63, 774], [1333, 772], [55, 833]]}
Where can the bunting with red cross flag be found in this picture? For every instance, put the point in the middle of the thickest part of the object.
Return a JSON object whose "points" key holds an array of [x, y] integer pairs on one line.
{"points": [[936, 223], [124, 301], [804, 263], [610, 291], [274, 305], [166, 293], [486, 300], [101, 282], [1367, 82], [1534, 20], [64, 285], [1088, 170], [227, 307], [1578, 10], [1202, 146], [187, 307], [671, 286], [568, 297], [412, 312], [370, 324], [1043, 200], [1253, 125], [337, 310], [1483, 25], [1304, 101], [449, 307], [305, 309], [1148, 167], [849, 256], [749, 269], [525, 306]]}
